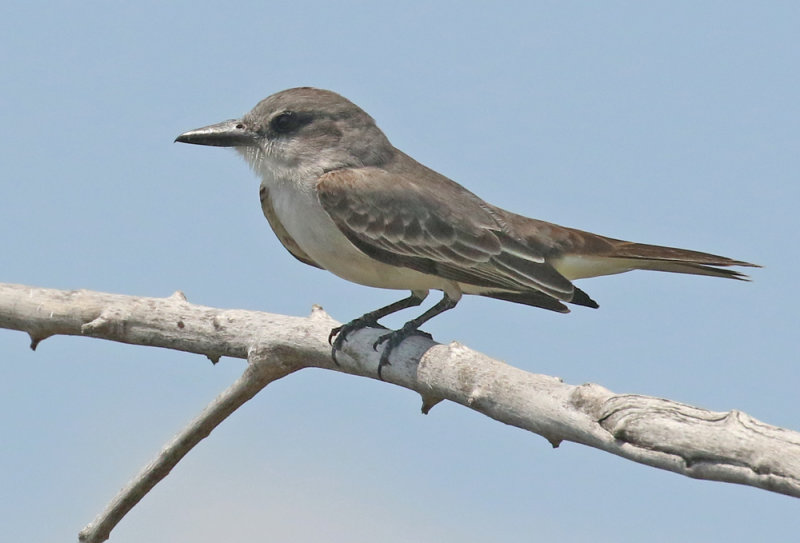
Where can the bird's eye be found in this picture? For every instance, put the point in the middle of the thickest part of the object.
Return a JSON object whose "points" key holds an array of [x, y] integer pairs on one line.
{"points": [[285, 122]]}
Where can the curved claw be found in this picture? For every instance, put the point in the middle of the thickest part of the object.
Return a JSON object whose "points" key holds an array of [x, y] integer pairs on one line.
{"points": [[403, 333], [334, 331], [341, 333], [392, 340], [384, 361], [333, 356]]}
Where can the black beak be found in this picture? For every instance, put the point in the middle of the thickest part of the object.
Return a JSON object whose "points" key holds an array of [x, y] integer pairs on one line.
{"points": [[233, 133]]}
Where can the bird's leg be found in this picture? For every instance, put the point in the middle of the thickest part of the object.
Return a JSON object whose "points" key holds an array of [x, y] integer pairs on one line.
{"points": [[371, 319], [411, 328]]}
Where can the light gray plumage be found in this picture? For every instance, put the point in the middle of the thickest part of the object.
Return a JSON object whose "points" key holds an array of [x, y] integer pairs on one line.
{"points": [[340, 197]]}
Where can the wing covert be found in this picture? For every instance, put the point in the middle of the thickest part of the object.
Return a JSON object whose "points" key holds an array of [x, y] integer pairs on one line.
{"points": [[440, 228]]}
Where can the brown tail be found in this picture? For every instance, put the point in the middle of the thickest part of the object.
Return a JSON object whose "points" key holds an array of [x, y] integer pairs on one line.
{"points": [[578, 254], [671, 259]]}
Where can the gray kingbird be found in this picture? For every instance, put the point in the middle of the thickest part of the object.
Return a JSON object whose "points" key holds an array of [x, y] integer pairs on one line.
{"points": [[340, 197]]}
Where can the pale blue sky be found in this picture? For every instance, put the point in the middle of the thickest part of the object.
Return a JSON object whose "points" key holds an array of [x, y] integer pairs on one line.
{"points": [[673, 123]]}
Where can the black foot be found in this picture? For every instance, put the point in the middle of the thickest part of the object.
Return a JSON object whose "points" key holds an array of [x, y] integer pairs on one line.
{"points": [[392, 340], [341, 333]]}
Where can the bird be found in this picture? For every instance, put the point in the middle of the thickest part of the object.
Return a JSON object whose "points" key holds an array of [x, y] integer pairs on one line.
{"points": [[340, 197]]}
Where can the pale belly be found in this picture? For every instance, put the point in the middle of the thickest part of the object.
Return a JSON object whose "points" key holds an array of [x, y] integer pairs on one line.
{"points": [[310, 226]]}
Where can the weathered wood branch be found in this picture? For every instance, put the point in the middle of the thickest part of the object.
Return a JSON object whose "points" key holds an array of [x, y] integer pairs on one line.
{"points": [[731, 447]]}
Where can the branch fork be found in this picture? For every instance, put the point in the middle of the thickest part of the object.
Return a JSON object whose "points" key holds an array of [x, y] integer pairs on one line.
{"points": [[731, 447]]}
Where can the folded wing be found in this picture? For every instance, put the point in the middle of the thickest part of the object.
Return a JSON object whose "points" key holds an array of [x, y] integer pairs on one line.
{"points": [[440, 228], [444, 230]]}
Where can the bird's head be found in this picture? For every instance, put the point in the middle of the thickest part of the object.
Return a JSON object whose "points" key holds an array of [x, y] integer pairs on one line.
{"points": [[302, 130]]}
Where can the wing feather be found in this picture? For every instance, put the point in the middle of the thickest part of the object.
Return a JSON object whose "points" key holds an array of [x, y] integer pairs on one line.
{"points": [[438, 228]]}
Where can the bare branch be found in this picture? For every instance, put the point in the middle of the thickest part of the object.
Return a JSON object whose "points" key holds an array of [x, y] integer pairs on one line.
{"points": [[264, 367], [731, 447]]}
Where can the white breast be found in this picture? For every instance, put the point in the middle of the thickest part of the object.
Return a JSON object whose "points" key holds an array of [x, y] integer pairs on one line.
{"points": [[298, 209]]}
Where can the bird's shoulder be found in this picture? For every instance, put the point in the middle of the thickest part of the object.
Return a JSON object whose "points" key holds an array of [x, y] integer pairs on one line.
{"points": [[404, 186]]}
